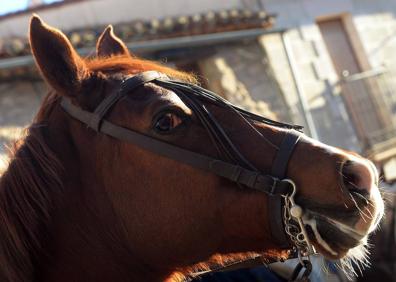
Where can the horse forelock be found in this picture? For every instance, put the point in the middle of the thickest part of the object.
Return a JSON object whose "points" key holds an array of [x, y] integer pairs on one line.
{"points": [[132, 65]]}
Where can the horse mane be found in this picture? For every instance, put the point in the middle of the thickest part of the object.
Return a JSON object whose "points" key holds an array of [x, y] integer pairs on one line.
{"points": [[218, 261], [32, 183], [132, 65], [27, 191]]}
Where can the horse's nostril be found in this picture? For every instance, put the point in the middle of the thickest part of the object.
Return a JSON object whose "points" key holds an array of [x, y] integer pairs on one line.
{"points": [[357, 177]]}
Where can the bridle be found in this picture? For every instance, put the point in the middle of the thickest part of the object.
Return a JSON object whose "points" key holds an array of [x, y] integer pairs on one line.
{"points": [[287, 228]]}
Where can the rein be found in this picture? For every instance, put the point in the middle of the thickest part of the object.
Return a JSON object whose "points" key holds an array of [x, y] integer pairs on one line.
{"points": [[286, 223]]}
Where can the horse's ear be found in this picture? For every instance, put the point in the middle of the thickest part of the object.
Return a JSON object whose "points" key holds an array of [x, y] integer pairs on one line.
{"points": [[56, 58], [109, 44]]}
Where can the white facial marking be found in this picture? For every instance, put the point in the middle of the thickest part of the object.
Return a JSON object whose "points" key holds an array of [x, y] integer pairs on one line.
{"points": [[312, 222], [347, 229]]}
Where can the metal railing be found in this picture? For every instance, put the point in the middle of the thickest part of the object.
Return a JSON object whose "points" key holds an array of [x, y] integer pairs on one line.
{"points": [[370, 98]]}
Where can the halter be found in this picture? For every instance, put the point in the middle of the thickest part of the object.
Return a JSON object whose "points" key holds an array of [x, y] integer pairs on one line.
{"points": [[287, 228]]}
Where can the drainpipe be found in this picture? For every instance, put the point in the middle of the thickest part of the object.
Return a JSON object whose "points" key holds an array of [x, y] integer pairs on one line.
{"points": [[300, 91]]}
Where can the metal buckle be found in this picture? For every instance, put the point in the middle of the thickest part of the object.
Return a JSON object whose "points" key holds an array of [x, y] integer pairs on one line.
{"points": [[274, 184]]}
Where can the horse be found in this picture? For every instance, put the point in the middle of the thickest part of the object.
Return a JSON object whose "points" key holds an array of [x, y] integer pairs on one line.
{"points": [[125, 175]]}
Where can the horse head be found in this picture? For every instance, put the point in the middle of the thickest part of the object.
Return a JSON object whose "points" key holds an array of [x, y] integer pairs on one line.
{"points": [[152, 215]]}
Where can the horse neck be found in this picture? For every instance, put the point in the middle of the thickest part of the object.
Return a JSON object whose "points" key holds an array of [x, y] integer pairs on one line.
{"points": [[87, 242], [83, 247]]}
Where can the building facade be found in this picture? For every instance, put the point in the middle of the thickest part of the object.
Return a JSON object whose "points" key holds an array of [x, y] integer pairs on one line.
{"points": [[329, 66], [344, 62]]}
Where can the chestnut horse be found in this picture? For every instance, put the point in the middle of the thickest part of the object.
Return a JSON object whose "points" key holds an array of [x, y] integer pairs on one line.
{"points": [[78, 205]]}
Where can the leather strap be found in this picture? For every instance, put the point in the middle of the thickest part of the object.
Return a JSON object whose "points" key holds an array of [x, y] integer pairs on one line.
{"points": [[109, 101], [286, 149], [279, 170], [235, 173]]}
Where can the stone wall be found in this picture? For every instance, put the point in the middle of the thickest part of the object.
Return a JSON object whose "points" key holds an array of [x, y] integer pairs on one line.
{"points": [[257, 75], [375, 24], [19, 102], [374, 20], [241, 74]]}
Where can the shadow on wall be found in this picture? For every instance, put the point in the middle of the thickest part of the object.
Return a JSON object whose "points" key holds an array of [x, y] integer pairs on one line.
{"points": [[240, 73]]}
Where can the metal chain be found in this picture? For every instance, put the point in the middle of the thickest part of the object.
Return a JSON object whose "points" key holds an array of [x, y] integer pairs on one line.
{"points": [[292, 228], [295, 228]]}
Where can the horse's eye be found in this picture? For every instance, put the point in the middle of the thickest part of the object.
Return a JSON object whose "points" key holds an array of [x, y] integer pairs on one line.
{"points": [[167, 122]]}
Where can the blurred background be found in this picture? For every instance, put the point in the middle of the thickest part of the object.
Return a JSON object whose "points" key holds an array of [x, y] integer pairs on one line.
{"points": [[327, 65]]}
